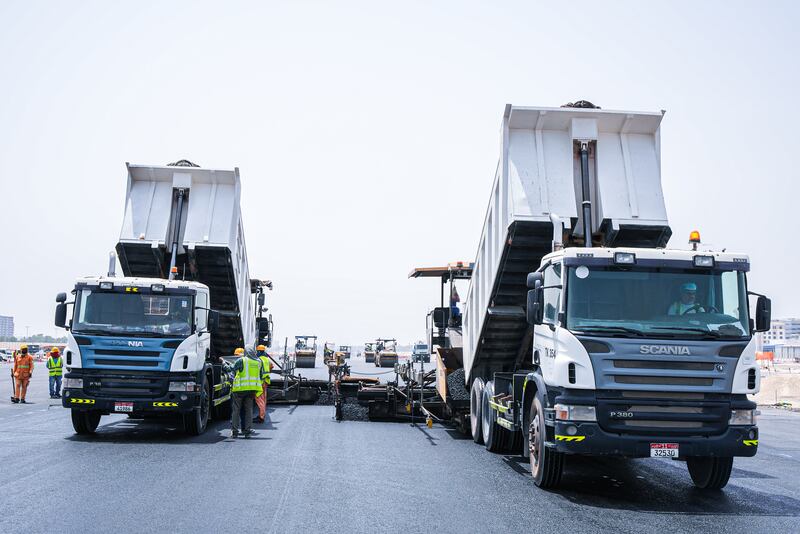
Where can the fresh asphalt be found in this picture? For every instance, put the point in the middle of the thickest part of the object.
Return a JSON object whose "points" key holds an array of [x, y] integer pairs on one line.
{"points": [[304, 472]]}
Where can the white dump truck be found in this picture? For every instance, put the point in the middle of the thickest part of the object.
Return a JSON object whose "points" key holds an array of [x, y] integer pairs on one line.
{"points": [[150, 342], [583, 333]]}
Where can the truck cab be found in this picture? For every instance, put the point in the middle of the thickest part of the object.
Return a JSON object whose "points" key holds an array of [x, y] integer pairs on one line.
{"points": [[420, 353], [644, 353], [140, 346]]}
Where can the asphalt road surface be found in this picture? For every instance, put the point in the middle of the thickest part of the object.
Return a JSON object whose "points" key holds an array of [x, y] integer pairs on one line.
{"points": [[304, 472]]}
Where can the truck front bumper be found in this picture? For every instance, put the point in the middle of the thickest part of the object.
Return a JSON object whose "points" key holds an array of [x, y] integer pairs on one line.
{"points": [[171, 402], [589, 438]]}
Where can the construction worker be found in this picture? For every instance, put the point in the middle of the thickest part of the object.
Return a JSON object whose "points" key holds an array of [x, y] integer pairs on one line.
{"points": [[23, 369], [54, 367], [247, 379], [261, 399]]}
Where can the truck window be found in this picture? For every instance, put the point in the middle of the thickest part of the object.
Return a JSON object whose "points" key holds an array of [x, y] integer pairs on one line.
{"points": [[552, 296], [200, 315]]}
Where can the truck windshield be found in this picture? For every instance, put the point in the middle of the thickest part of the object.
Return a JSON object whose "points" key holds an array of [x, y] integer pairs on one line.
{"points": [[657, 302], [112, 313]]}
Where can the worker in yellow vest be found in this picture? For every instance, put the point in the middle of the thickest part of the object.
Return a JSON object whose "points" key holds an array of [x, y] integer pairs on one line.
{"points": [[261, 398], [55, 364], [248, 375]]}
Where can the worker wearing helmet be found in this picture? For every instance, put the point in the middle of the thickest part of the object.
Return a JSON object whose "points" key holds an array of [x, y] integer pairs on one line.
{"points": [[248, 375], [54, 366], [22, 371], [261, 398], [687, 302]]}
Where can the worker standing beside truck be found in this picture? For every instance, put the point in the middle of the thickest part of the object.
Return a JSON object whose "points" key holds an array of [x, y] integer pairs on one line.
{"points": [[248, 377], [261, 399], [23, 370], [54, 367]]}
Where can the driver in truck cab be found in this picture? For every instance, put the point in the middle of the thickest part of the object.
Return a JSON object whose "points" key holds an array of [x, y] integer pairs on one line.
{"points": [[178, 319], [687, 302]]}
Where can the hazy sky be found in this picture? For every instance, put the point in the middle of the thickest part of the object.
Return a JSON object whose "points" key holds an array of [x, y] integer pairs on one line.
{"points": [[367, 133]]}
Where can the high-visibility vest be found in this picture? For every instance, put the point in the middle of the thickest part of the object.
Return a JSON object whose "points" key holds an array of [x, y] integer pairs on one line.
{"points": [[265, 361], [678, 308], [249, 378], [55, 365]]}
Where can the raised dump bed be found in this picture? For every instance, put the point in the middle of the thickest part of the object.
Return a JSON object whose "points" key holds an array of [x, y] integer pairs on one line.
{"points": [[211, 247], [539, 175]]}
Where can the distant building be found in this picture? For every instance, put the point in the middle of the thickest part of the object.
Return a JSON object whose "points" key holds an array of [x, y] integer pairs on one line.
{"points": [[781, 331], [6, 325]]}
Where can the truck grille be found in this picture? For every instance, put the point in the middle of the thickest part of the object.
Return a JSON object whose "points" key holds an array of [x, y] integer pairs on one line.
{"points": [[123, 352], [126, 386], [663, 380], [663, 415]]}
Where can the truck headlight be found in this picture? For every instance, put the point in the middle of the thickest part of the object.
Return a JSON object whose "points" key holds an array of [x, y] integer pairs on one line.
{"points": [[569, 412], [74, 383], [742, 417], [183, 386]]}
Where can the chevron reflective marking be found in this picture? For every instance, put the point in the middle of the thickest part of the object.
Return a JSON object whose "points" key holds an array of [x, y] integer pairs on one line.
{"points": [[750, 442], [220, 400], [165, 404], [81, 401], [570, 438]]}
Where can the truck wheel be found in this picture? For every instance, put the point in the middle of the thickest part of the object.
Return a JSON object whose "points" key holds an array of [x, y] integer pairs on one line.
{"points": [[709, 472], [85, 422], [546, 464], [195, 422], [495, 438], [475, 400]]}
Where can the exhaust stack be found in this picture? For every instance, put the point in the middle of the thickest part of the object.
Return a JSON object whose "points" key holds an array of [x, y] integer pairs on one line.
{"points": [[112, 265], [558, 232]]}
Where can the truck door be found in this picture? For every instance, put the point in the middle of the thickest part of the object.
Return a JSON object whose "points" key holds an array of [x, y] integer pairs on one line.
{"points": [[545, 335], [201, 325]]}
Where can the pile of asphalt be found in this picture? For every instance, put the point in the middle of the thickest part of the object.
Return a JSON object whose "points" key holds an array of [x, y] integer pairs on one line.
{"points": [[351, 409], [456, 386]]}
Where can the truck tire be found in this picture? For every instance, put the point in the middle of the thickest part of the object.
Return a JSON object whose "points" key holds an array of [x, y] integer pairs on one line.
{"points": [[475, 401], [495, 437], [546, 464], [85, 422], [708, 472], [196, 421]]}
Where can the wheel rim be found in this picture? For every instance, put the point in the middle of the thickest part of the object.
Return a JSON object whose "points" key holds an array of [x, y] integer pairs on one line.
{"points": [[486, 414], [533, 441], [204, 406]]}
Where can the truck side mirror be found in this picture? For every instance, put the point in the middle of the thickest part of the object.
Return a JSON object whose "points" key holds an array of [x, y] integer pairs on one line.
{"points": [[533, 278], [763, 314], [532, 309], [61, 297], [262, 324], [61, 313], [261, 299], [213, 321]]}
